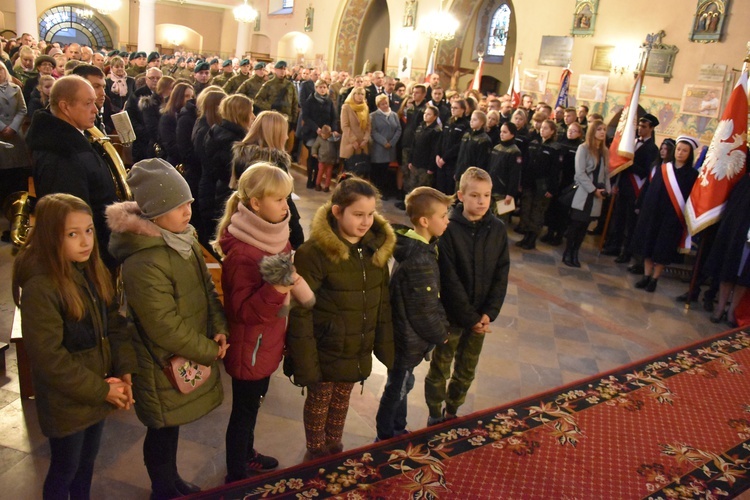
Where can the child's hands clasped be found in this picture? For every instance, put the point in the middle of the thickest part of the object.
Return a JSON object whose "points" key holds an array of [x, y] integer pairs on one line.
{"points": [[483, 326], [120, 393], [221, 339]]}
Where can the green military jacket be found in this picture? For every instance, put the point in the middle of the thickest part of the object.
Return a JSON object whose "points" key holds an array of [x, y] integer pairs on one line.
{"points": [[221, 79], [234, 83], [279, 94], [251, 86]]}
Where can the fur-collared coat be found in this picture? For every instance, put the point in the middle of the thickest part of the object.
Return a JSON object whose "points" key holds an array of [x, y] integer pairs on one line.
{"points": [[335, 340], [177, 311]]}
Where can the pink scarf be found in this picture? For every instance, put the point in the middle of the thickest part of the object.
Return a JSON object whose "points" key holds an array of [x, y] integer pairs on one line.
{"points": [[119, 84], [251, 229]]}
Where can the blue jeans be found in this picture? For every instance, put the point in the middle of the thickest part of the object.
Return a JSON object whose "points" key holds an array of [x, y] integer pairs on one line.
{"points": [[72, 464], [391, 417]]}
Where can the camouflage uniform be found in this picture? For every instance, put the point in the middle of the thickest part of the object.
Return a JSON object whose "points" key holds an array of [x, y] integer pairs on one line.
{"points": [[134, 71], [221, 79], [269, 94], [251, 86], [185, 74], [234, 83]]}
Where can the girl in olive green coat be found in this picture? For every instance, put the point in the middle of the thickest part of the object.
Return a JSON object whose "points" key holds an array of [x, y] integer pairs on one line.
{"points": [[76, 341], [345, 262], [176, 310]]}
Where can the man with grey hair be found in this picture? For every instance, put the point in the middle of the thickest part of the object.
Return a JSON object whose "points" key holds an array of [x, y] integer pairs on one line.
{"points": [[375, 89], [142, 137], [64, 160]]}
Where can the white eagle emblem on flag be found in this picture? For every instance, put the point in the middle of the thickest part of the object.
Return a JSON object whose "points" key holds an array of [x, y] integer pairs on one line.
{"points": [[724, 159]]}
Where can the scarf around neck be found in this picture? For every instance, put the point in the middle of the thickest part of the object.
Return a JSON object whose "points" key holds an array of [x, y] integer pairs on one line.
{"points": [[386, 113], [119, 84], [182, 243], [362, 112], [247, 227]]}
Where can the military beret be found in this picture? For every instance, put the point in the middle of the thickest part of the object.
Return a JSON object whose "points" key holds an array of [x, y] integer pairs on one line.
{"points": [[244, 62], [201, 66], [214, 61], [113, 53], [227, 62], [124, 53], [132, 55], [260, 65], [190, 59], [153, 56], [280, 65], [140, 54]]}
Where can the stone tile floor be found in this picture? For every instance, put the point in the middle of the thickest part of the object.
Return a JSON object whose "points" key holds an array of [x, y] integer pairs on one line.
{"points": [[558, 325]]}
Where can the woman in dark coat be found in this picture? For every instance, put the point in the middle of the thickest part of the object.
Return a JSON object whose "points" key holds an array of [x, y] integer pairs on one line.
{"points": [[207, 116], [178, 98], [450, 143], [237, 115], [556, 217], [475, 146], [422, 164], [660, 229], [150, 107], [505, 165], [729, 261], [317, 110]]}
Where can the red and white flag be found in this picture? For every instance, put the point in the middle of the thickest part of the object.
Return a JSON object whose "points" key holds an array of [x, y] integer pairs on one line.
{"points": [[622, 149], [514, 89], [478, 75], [724, 164]]}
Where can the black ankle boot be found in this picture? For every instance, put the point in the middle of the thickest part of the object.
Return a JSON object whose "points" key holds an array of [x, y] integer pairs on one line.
{"points": [[523, 241], [184, 487], [574, 258], [651, 287], [568, 254], [531, 243], [643, 282]]}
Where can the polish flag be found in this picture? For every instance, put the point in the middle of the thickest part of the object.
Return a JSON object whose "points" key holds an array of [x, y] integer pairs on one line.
{"points": [[724, 165], [514, 90], [622, 149]]}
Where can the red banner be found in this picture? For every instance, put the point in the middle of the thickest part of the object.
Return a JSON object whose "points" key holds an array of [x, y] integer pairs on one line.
{"points": [[622, 149], [724, 164]]}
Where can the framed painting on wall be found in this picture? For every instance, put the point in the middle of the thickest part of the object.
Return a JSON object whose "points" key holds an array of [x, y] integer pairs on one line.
{"points": [[584, 17], [534, 80], [708, 21], [410, 13], [701, 100], [592, 88]]}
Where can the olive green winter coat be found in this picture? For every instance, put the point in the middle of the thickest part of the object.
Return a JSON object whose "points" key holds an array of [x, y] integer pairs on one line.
{"points": [[334, 341], [176, 305], [71, 359]]}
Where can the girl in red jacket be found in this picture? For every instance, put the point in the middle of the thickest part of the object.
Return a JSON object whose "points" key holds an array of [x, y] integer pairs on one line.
{"points": [[257, 278]]}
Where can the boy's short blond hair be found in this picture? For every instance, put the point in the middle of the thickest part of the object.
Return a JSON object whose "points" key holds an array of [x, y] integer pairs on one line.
{"points": [[473, 174], [421, 202]]}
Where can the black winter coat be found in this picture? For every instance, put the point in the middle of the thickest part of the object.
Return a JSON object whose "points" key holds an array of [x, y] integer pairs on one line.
{"points": [[474, 151], [450, 142], [118, 101], [426, 146], [217, 169], [542, 172], [643, 159], [316, 114], [505, 168], [168, 138], [419, 320], [731, 239], [185, 122], [474, 266], [142, 138], [65, 162]]}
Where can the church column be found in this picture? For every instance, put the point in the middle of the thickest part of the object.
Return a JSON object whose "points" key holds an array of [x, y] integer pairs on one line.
{"points": [[26, 21], [242, 31], [146, 20]]}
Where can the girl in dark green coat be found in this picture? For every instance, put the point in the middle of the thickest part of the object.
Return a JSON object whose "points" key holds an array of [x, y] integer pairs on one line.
{"points": [[76, 341], [345, 262]]}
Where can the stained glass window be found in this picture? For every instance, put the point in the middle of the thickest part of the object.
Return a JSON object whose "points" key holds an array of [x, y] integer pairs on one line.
{"points": [[498, 35], [67, 17]]}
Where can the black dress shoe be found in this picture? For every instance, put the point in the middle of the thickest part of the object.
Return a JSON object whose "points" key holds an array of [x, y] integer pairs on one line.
{"points": [[623, 258], [684, 296], [636, 269], [643, 282], [651, 287], [718, 319]]}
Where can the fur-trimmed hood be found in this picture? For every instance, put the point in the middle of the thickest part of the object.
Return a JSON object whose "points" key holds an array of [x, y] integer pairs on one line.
{"points": [[131, 232], [381, 238], [244, 155], [147, 101]]}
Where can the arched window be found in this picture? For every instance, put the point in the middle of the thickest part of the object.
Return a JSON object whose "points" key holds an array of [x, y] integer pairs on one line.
{"points": [[497, 37], [66, 19]]}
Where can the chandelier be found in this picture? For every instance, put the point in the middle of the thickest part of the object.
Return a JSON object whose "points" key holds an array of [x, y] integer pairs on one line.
{"points": [[245, 13], [440, 25], [106, 7]]}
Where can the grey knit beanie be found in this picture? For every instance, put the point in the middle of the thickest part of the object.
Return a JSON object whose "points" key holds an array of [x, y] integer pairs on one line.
{"points": [[157, 187]]}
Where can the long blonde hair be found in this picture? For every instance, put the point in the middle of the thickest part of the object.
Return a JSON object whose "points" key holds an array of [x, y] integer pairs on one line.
{"points": [[43, 250], [269, 130], [238, 109], [258, 181]]}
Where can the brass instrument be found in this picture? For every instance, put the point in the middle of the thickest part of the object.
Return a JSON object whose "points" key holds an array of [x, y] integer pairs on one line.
{"points": [[18, 205], [17, 209], [103, 145]]}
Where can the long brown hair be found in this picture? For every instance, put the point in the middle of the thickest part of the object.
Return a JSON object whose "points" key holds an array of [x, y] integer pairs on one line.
{"points": [[173, 105], [43, 250], [597, 152], [208, 104]]}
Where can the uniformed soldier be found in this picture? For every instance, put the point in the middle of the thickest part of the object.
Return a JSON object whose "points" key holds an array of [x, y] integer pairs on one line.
{"points": [[137, 64], [279, 94], [252, 85], [201, 74], [153, 60], [234, 83], [226, 73], [215, 69], [186, 72]]}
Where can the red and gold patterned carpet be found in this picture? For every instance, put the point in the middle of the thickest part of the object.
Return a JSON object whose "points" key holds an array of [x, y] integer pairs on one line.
{"points": [[675, 426]]}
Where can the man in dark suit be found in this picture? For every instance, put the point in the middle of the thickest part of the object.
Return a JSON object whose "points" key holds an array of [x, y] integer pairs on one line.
{"points": [[376, 88], [393, 98], [629, 184]]}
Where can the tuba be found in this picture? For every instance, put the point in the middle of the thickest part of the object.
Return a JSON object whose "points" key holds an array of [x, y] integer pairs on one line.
{"points": [[18, 206]]}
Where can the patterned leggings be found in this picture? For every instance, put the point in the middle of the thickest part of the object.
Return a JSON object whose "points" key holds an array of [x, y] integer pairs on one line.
{"points": [[325, 413]]}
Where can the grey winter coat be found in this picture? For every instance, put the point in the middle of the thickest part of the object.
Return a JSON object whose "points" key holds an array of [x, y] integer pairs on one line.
{"points": [[385, 129], [585, 167]]}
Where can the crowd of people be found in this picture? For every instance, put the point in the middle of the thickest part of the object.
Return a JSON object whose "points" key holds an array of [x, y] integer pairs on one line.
{"points": [[212, 170]]}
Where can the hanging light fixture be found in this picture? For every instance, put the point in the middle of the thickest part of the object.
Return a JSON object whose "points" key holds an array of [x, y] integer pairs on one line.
{"points": [[245, 13], [440, 25], [105, 7]]}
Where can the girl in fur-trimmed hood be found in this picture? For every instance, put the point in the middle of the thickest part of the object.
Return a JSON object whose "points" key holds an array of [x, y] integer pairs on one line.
{"points": [[345, 262]]}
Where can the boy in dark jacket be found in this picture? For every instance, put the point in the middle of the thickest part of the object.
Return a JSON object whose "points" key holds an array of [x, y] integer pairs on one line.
{"points": [[419, 321], [474, 264]]}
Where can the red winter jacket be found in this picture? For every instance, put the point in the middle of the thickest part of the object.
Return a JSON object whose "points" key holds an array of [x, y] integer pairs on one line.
{"points": [[252, 306]]}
